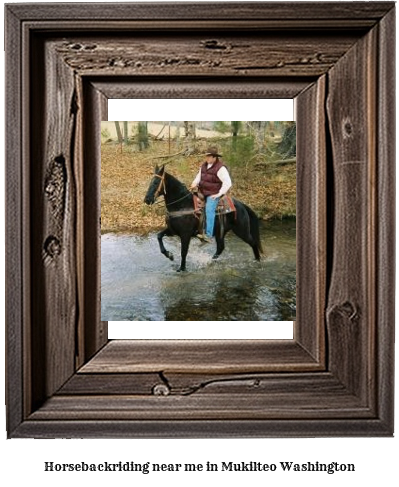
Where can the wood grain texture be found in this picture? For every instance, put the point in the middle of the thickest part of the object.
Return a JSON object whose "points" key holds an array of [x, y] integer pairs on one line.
{"points": [[184, 384], [243, 54], [203, 407], [311, 218], [77, 147], [200, 356], [202, 429], [298, 24], [351, 307], [310, 99], [341, 55], [53, 203], [281, 11], [14, 236], [385, 245], [174, 87], [255, 396], [111, 384], [96, 331]]}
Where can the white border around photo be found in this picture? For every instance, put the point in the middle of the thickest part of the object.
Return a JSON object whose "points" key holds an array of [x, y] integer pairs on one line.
{"points": [[199, 109]]}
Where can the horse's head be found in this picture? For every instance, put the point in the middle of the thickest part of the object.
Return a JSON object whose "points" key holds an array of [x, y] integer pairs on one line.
{"points": [[156, 187]]}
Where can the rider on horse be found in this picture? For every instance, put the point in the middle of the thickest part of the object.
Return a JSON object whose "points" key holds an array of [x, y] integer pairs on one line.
{"points": [[213, 181]]}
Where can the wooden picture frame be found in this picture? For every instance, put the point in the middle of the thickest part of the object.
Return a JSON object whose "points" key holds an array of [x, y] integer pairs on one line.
{"points": [[335, 378]]}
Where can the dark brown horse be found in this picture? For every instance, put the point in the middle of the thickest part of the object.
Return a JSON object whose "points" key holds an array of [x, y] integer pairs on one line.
{"points": [[181, 219]]}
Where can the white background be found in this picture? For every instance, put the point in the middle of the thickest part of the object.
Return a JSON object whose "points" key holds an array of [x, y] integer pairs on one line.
{"points": [[376, 459]]}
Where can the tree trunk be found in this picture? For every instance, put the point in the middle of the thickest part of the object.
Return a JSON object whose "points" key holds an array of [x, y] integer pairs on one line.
{"points": [[119, 132], [178, 141], [256, 130], [125, 132], [189, 129], [287, 146], [143, 136], [235, 126]]}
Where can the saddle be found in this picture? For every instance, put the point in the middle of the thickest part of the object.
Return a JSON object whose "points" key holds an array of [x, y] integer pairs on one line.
{"points": [[225, 204]]}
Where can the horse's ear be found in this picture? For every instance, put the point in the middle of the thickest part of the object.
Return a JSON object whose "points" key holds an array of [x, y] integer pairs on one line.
{"points": [[156, 169], [161, 169]]}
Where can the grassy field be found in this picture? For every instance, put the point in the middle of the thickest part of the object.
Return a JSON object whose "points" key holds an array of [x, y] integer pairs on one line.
{"points": [[268, 188]]}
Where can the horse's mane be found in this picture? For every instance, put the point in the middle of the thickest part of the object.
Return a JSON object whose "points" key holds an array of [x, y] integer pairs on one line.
{"points": [[175, 184]]}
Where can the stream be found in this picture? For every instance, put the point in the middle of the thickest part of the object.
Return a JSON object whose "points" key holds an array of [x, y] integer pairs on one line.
{"points": [[139, 284]]}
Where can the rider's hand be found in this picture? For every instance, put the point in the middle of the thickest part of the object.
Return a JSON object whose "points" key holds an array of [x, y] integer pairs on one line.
{"points": [[214, 196]]}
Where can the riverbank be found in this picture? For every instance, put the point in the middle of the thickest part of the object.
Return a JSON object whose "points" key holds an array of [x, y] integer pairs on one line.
{"points": [[268, 188]]}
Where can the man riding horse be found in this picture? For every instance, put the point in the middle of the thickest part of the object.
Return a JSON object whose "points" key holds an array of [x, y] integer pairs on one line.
{"points": [[213, 181], [182, 215]]}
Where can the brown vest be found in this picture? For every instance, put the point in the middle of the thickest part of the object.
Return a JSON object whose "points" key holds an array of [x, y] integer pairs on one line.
{"points": [[210, 183]]}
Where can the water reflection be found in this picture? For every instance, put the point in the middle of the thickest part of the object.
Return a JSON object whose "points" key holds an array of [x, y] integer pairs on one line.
{"points": [[140, 284]]}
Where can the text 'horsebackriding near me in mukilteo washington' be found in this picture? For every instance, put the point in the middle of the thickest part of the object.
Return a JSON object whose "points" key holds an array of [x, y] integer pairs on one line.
{"points": [[184, 208]]}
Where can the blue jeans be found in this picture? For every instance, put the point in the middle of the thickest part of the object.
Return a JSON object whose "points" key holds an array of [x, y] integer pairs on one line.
{"points": [[210, 212]]}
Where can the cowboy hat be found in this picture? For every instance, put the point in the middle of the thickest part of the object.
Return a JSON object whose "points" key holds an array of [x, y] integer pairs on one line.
{"points": [[213, 151]]}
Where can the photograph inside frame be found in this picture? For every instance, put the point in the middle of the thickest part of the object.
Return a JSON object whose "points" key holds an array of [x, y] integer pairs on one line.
{"points": [[198, 221]]}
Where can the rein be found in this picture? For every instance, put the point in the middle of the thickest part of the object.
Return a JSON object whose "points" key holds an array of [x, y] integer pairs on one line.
{"points": [[159, 189], [161, 183], [176, 214], [180, 199]]}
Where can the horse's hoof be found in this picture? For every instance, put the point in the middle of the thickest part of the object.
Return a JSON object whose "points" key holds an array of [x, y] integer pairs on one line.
{"points": [[216, 256], [169, 255], [181, 269]]}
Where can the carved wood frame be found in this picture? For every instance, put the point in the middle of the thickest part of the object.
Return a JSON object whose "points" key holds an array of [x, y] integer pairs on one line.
{"points": [[64, 379]]}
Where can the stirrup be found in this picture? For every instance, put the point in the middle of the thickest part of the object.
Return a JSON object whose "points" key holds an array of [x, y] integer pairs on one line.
{"points": [[204, 238]]}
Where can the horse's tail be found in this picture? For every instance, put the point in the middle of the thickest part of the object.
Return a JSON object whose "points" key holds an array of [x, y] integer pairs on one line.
{"points": [[254, 227]]}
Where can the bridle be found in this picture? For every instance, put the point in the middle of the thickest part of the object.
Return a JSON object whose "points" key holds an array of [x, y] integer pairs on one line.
{"points": [[161, 185]]}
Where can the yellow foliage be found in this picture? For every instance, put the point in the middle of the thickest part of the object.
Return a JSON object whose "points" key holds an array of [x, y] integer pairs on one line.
{"points": [[125, 177]]}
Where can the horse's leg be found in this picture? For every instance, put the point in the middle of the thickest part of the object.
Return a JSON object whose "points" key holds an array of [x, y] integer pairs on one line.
{"points": [[220, 232], [160, 236], [185, 242], [243, 231], [219, 246]]}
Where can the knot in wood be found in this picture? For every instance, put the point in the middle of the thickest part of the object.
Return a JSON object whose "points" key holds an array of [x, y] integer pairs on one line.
{"points": [[55, 187], [117, 62], [347, 310], [50, 189], [347, 128], [213, 44], [90, 47], [161, 390], [52, 246]]}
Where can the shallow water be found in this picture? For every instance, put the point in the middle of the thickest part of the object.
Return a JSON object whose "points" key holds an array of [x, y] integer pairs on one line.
{"points": [[139, 284]]}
